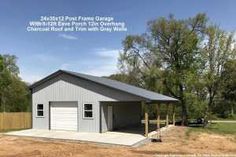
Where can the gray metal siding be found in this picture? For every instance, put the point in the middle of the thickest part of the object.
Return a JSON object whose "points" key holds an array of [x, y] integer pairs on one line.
{"points": [[68, 88]]}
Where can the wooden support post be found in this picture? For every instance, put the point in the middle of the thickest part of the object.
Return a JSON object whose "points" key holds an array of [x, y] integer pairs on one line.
{"points": [[173, 114], [146, 119], [146, 124], [158, 116], [158, 122], [167, 115]]}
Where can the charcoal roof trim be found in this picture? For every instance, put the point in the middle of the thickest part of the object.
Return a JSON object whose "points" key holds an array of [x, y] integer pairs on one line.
{"points": [[149, 95]]}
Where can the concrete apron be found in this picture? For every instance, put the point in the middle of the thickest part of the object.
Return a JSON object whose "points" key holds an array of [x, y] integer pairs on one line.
{"points": [[110, 138]]}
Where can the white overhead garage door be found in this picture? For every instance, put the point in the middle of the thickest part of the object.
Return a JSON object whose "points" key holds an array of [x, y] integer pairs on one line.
{"points": [[64, 115]]}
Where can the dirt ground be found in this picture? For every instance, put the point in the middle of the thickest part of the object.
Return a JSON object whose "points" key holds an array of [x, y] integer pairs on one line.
{"points": [[174, 141]]}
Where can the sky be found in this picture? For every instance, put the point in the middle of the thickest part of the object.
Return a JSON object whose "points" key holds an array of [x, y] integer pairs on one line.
{"points": [[42, 53]]}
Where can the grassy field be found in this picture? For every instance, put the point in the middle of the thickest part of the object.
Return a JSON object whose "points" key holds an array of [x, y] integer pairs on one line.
{"points": [[219, 128]]}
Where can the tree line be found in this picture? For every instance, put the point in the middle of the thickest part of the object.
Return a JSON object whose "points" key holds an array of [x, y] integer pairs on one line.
{"points": [[190, 59], [14, 93]]}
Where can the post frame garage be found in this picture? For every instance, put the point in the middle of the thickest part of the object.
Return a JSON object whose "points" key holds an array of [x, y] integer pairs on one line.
{"points": [[73, 101]]}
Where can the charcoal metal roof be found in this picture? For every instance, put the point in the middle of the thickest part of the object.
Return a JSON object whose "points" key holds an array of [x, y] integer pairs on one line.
{"points": [[149, 95]]}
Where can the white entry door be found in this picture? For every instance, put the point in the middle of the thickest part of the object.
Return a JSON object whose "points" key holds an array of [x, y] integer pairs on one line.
{"points": [[64, 116], [110, 117]]}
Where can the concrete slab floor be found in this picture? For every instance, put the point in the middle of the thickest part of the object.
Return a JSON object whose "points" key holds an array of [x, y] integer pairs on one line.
{"points": [[114, 138]]}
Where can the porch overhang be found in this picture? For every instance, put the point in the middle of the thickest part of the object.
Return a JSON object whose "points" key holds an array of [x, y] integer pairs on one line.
{"points": [[146, 103]]}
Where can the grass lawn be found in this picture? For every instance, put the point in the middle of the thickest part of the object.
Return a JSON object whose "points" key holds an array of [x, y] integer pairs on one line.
{"points": [[219, 128]]}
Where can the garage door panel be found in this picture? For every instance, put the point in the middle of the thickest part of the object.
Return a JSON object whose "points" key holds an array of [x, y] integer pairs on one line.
{"points": [[64, 116]]}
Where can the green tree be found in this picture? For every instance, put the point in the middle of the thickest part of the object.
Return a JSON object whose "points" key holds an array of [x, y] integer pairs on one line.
{"points": [[17, 97], [217, 50], [5, 81], [1, 63], [14, 93], [9, 62], [168, 54], [122, 77], [229, 84]]}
